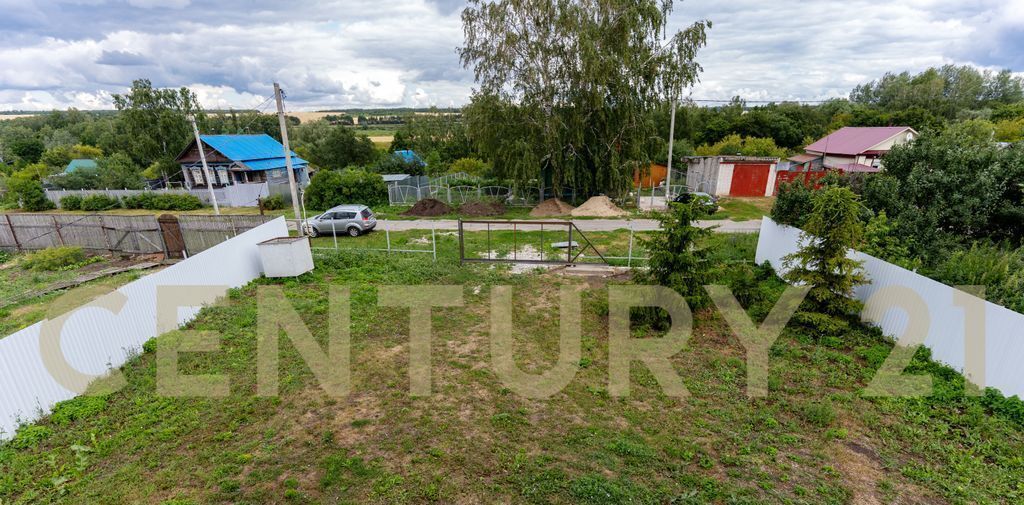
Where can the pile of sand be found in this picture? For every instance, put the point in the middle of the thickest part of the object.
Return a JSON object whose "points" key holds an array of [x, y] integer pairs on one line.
{"points": [[482, 208], [429, 207], [551, 207], [598, 206]]}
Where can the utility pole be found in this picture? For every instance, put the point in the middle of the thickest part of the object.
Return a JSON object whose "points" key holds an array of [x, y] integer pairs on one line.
{"points": [[671, 139], [288, 156], [206, 169]]}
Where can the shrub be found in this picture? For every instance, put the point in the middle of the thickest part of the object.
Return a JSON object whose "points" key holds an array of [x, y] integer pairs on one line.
{"points": [[30, 195], [163, 201], [71, 202], [834, 227], [54, 258], [999, 270], [471, 166], [793, 204], [675, 261], [275, 202], [330, 188], [93, 203]]}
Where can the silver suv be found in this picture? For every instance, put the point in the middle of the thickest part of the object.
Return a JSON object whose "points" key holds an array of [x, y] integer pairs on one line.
{"points": [[351, 219]]}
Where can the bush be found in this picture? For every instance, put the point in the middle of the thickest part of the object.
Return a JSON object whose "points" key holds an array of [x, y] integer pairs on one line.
{"points": [[793, 204], [54, 258], [71, 202], [163, 201], [93, 203], [675, 260], [273, 202], [330, 188], [30, 194]]}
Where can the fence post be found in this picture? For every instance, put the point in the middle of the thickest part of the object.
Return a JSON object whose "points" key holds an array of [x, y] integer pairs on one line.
{"points": [[448, 189], [629, 256], [387, 236], [334, 233], [106, 238], [57, 226], [14, 235], [433, 238]]}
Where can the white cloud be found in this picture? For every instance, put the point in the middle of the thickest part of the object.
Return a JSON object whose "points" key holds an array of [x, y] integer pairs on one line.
{"points": [[364, 53]]}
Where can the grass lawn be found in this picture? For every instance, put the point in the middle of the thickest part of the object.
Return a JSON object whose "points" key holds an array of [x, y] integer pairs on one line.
{"points": [[743, 209], [17, 312], [814, 439]]}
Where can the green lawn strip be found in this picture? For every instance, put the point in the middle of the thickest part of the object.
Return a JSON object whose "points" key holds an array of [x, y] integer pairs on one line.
{"points": [[814, 439], [742, 209], [27, 312]]}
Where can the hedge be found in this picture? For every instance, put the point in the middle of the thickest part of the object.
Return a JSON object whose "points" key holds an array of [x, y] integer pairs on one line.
{"points": [[330, 188], [71, 202], [93, 203], [163, 201]]}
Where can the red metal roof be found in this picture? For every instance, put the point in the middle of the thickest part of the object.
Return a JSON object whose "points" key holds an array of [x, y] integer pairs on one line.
{"points": [[853, 140], [856, 168], [803, 158]]}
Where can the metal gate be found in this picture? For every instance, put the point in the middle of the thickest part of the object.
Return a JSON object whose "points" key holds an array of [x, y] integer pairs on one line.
{"points": [[576, 239]]}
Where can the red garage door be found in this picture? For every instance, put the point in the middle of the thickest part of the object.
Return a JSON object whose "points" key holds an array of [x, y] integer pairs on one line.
{"points": [[749, 179]]}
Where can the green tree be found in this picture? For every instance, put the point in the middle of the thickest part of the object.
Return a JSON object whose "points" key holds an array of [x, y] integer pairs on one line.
{"points": [[567, 88], [793, 204], [340, 147], [744, 146], [29, 194], [676, 259], [329, 188], [833, 228], [118, 171], [28, 150], [154, 122], [471, 166]]}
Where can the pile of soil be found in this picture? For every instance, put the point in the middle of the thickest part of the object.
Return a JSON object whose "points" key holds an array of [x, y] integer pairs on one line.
{"points": [[429, 207], [551, 207], [598, 206], [482, 208]]}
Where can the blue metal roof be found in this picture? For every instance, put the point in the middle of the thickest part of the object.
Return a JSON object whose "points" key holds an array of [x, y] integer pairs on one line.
{"points": [[79, 163], [258, 152], [409, 156]]}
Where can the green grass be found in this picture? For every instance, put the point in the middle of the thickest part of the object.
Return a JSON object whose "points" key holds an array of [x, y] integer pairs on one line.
{"points": [[743, 209], [814, 439], [501, 243], [17, 312]]}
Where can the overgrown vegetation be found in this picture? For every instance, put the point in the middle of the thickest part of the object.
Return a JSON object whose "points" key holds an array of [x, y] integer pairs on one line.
{"points": [[814, 439], [55, 258], [330, 188]]}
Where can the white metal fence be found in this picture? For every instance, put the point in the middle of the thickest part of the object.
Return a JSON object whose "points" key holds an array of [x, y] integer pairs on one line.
{"points": [[947, 335], [95, 340]]}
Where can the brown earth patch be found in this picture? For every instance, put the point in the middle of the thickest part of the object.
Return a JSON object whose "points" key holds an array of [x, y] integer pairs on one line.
{"points": [[482, 208], [429, 207]]}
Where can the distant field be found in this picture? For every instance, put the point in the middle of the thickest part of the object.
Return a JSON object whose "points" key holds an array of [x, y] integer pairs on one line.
{"points": [[15, 116]]}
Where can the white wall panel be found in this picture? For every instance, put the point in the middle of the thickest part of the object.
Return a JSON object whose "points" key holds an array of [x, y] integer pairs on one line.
{"points": [[95, 340], [946, 333]]}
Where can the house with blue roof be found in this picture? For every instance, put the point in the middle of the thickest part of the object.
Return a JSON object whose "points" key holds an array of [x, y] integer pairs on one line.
{"points": [[410, 156], [240, 159], [80, 163]]}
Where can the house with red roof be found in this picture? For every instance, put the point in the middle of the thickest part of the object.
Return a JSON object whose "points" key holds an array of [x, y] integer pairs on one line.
{"points": [[851, 149]]}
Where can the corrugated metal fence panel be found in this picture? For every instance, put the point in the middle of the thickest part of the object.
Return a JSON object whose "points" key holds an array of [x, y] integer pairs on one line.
{"points": [[95, 340], [946, 334], [202, 232]]}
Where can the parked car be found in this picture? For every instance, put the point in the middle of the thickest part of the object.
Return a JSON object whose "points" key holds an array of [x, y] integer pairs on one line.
{"points": [[709, 202], [351, 219]]}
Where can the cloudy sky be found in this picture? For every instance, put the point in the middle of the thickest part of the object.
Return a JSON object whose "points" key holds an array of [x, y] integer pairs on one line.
{"points": [[390, 53]]}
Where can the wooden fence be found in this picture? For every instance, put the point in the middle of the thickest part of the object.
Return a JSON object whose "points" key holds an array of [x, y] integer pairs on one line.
{"points": [[117, 234]]}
